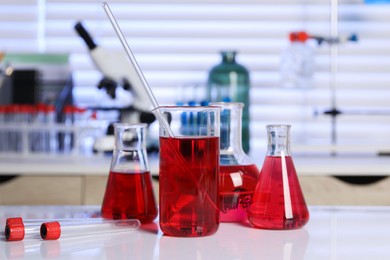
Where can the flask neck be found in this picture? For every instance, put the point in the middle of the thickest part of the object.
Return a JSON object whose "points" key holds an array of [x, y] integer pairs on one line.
{"points": [[129, 154], [231, 127], [130, 137], [278, 140], [228, 56]]}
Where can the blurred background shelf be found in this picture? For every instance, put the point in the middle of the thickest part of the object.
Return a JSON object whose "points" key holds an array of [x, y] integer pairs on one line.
{"points": [[81, 180]]}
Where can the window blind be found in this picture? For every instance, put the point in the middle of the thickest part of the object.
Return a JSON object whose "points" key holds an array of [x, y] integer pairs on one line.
{"points": [[177, 42]]}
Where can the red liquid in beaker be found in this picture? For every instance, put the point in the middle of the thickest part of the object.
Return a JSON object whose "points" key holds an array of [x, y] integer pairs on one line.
{"points": [[268, 204], [236, 187], [189, 169], [129, 195]]}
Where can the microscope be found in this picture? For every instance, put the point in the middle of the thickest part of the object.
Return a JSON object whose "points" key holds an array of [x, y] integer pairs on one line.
{"points": [[117, 72]]}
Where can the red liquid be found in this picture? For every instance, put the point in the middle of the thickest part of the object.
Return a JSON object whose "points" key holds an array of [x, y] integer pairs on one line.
{"points": [[236, 187], [129, 195], [268, 208], [189, 169]]}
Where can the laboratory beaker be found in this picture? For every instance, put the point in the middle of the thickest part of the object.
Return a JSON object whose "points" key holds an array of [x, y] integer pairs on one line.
{"points": [[189, 170], [129, 192], [278, 201], [238, 173]]}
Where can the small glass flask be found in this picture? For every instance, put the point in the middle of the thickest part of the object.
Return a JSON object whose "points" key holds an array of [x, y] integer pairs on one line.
{"points": [[278, 201], [238, 173], [129, 192]]}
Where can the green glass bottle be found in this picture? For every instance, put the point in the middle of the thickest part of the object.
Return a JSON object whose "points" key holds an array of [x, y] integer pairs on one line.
{"points": [[229, 81]]}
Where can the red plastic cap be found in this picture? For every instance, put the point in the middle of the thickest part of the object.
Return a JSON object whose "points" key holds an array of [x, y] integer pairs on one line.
{"points": [[16, 220], [299, 36], [13, 108], [26, 109], [68, 109], [50, 108], [40, 107], [80, 110], [51, 230], [14, 232]]}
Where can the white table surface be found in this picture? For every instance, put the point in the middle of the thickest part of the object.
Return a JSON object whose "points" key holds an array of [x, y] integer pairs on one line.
{"points": [[332, 233], [308, 165]]}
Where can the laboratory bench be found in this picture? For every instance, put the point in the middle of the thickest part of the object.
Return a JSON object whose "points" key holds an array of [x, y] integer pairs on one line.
{"points": [[81, 180], [333, 232]]}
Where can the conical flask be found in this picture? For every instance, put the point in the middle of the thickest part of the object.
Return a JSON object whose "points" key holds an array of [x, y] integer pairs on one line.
{"points": [[129, 192], [229, 81], [278, 201], [238, 173]]}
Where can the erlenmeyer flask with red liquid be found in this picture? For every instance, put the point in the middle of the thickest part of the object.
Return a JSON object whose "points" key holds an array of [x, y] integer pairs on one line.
{"points": [[238, 173], [129, 192], [278, 201]]}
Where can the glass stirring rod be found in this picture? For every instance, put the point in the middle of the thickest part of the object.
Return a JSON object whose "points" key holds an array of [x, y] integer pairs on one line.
{"points": [[137, 69]]}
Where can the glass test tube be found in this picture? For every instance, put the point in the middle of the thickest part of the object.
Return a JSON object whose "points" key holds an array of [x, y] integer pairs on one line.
{"points": [[67, 135], [38, 140], [17, 227], [16, 231], [54, 230], [34, 221], [51, 135], [3, 137], [12, 118]]}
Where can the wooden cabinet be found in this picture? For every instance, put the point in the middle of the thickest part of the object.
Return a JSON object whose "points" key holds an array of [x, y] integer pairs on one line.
{"points": [[55, 190], [89, 190]]}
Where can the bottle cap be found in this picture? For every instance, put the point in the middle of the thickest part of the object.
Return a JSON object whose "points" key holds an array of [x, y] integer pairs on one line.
{"points": [[80, 109], [68, 109], [40, 107], [28, 109], [51, 230], [14, 231], [16, 220], [50, 108], [299, 36], [13, 108]]}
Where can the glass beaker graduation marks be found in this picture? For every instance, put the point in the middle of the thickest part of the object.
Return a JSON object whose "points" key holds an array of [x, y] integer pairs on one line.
{"points": [[278, 201]]}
